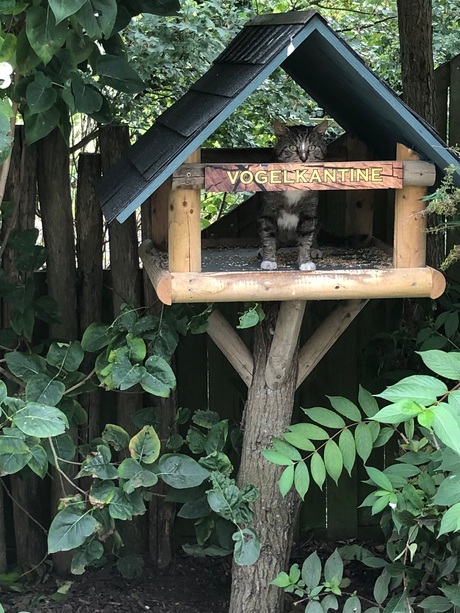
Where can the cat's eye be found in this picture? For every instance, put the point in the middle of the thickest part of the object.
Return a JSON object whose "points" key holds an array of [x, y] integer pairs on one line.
{"points": [[293, 147], [312, 147]]}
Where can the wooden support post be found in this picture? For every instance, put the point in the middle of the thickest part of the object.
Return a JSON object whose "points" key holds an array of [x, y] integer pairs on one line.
{"points": [[284, 343], [409, 230], [231, 345], [185, 227], [325, 336]]}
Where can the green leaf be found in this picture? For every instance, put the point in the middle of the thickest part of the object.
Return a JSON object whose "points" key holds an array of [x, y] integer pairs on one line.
{"points": [[401, 411], [453, 593], [205, 419], [381, 587], [379, 478], [282, 580], [97, 464], [40, 420], [247, 547], [309, 431], [446, 427], [66, 356], [125, 374], [301, 479], [345, 407], [324, 417], [44, 390], [86, 555], [448, 492], [69, 530], [64, 447], [298, 440], [311, 571], [352, 605], [115, 436], [418, 388], [333, 567], [286, 449], [181, 471], [435, 604], [367, 402], [44, 35], [120, 507], [95, 337], [131, 566], [101, 492], [40, 94], [318, 470], [314, 607], [286, 480], [450, 521], [136, 475], [65, 8], [348, 449], [14, 453], [117, 73], [98, 17], [333, 460], [276, 457], [145, 445], [217, 437], [23, 365], [38, 463], [159, 379], [41, 124], [445, 364]]}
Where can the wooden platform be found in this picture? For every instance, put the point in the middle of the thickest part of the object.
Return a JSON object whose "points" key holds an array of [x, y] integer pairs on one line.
{"points": [[234, 275]]}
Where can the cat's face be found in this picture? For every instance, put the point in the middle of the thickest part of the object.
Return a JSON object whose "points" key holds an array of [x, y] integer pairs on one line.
{"points": [[300, 143]]}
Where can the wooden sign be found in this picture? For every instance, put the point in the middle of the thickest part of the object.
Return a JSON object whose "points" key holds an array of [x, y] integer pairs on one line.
{"points": [[308, 176]]}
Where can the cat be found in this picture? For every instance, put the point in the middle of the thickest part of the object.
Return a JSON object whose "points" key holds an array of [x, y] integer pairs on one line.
{"points": [[289, 217]]}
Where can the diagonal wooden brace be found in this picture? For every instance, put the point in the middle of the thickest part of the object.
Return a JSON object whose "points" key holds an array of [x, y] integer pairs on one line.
{"points": [[285, 342]]}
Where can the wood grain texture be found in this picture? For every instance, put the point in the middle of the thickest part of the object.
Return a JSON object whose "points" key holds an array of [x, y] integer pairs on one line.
{"points": [[285, 342], [159, 276], [317, 285], [409, 225], [184, 228], [249, 177], [231, 345]]}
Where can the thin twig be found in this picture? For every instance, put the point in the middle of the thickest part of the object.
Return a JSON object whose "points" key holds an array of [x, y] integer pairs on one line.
{"points": [[15, 502], [11, 377], [61, 473], [82, 382], [84, 141]]}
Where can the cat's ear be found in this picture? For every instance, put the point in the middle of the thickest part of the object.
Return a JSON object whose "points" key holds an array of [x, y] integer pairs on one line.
{"points": [[281, 129], [322, 127]]}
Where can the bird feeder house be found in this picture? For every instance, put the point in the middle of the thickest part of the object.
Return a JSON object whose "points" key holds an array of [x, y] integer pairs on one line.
{"points": [[166, 163]]}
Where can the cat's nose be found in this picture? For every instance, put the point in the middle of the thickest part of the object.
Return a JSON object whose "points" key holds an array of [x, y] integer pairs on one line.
{"points": [[303, 156]]}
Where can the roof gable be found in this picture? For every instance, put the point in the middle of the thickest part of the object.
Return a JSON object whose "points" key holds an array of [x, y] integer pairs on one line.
{"points": [[316, 58]]}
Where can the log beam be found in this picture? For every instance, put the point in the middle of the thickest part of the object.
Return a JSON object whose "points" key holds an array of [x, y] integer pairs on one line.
{"points": [[231, 345], [410, 223], [325, 336], [184, 227], [159, 275], [284, 343], [296, 285]]}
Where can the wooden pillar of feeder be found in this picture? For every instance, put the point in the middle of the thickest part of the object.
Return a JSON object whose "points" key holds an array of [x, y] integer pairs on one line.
{"points": [[410, 223], [184, 227]]}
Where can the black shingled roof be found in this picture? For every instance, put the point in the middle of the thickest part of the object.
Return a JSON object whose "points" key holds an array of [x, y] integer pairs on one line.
{"points": [[324, 65]]}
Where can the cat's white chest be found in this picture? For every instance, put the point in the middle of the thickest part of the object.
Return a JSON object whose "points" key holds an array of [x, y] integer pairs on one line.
{"points": [[287, 221], [292, 196]]}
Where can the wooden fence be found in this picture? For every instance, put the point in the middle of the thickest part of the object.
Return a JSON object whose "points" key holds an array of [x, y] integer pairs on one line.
{"points": [[86, 292]]}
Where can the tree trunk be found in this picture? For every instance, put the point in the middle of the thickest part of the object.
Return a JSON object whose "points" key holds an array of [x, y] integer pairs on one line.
{"points": [[419, 85], [267, 413]]}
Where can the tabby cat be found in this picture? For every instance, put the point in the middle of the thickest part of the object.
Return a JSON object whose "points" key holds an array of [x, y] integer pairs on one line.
{"points": [[290, 218]]}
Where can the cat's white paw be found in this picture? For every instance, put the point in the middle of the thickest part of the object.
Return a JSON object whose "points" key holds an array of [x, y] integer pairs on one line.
{"points": [[307, 266], [268, 265]]}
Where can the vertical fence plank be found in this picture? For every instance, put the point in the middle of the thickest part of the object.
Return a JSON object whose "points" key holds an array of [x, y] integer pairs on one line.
{"points": [[88, 225], [454, 113], [57, 219], [126, 288]]}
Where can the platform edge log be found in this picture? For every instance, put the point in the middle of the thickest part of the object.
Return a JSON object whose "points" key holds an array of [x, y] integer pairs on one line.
{"points": [[410, 223], [284, 343], [423, 282], [330, 330], [231, 345], [184, 227], [159, 276]]}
